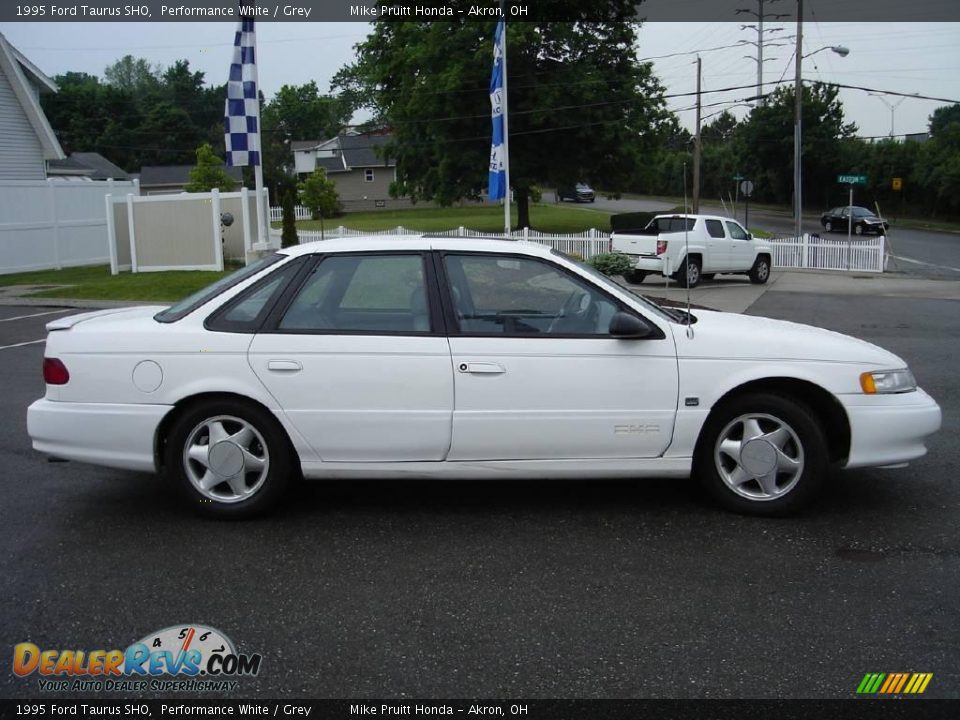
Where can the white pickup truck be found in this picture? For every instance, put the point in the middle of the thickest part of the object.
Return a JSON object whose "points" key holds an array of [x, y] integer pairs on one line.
{"points": [[693, 247]]}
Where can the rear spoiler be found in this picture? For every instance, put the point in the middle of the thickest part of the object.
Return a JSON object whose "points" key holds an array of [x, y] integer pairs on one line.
{"points": [[65, 323]]}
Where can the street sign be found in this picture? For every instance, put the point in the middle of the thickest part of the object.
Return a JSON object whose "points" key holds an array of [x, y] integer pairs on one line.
{"points": [[852, 179], [746, 187], [897, 183]]}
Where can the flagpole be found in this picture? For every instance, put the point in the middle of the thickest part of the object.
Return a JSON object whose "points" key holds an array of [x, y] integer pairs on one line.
{"points": [[263, 234], [506, 132]]}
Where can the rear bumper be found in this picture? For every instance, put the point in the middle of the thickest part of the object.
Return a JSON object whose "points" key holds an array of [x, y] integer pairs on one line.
{"points": [[648, 263], [889, 429], [120, 436]]}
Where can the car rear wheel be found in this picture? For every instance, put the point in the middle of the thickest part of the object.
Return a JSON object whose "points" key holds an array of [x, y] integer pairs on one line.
{"points": [[828, 226], [229, 459], [689, 273], [858, 229], [762, 454], [635, 276], [760, 272]]}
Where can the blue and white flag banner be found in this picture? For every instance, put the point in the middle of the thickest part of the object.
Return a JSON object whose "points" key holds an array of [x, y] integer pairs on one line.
{"points": [[241, 115], [497, 187]]}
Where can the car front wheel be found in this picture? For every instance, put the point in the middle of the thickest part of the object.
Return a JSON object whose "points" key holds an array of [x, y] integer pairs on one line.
{"points": [[760, 272], [858, 229], [229, 459], [828, 226], [762, 454]]}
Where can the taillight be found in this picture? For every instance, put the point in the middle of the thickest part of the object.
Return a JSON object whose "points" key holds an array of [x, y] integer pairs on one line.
{"points": [[661, 247], [55, 372]]}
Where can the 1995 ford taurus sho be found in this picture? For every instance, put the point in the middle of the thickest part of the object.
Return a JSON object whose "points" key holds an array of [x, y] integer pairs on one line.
{"points": [[399, 357]]}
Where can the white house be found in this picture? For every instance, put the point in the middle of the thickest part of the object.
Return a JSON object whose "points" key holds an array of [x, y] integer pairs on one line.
{"points": [[26, 139]]}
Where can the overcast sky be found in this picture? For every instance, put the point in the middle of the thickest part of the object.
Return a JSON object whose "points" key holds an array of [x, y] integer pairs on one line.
{"points": [[922, 58]]}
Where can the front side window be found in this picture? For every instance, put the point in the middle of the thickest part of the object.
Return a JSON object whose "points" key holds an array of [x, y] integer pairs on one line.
{"points": [[372, 294], [737, 232], [507, 295]]}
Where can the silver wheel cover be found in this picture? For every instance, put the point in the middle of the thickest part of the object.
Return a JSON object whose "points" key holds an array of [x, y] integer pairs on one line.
{"points": [[226, 459], [759, 457]]}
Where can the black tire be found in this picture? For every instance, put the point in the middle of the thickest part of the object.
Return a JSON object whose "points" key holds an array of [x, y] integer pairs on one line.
{"points": [[828, 226], [635, 276], [268, 442], [858, 229], [804, 440], [689, 273], [760, 272]]}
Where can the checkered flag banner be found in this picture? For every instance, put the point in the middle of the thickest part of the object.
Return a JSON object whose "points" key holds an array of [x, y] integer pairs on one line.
{"points": [[497, 181], [242, 113]]}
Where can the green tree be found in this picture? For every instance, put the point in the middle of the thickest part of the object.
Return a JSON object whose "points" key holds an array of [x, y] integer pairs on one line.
{"points": [[765, 144], [288, 235], [133, 75], [581, 106], [209, 172], [318, 194], [938, 168]]}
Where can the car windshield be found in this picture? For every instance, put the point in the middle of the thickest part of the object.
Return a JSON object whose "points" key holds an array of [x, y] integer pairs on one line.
{"points": [[609, 284], [191, 303], [583, 186], [861, 212]]}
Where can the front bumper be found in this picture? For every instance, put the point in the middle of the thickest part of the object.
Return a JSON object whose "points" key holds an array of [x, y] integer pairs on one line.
{"points": [[113, 435], [889, 429]]}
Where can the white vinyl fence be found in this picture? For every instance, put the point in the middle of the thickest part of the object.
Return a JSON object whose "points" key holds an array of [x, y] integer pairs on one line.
{"points": [[183, 231], [814, 252], [51, 224]]}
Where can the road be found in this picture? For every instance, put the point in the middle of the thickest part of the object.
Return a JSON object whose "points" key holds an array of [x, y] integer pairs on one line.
{"points": [[546, 589], [916, 252]]}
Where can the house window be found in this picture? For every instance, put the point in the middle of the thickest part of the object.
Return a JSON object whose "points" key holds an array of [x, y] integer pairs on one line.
{"points": [[368, 175]]}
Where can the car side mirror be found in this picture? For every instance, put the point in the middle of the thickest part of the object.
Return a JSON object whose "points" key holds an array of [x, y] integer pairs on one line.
{"points": [[626, 326]]}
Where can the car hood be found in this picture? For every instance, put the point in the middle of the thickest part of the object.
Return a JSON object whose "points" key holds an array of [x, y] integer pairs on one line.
{"points": [[103, 318], [729, 335]]}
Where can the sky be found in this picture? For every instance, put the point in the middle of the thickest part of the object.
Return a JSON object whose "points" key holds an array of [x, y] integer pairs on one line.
{"points": [[921, 58]]}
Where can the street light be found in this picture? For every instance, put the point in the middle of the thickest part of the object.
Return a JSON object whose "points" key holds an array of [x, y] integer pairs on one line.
{"points": [[798, 115]]}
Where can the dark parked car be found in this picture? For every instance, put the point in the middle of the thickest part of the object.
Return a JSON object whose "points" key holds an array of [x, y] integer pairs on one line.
{"points": [[581, 192], [864, 221]]}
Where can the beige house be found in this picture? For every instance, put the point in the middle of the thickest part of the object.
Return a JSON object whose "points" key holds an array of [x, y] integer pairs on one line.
{"points": [[356, 164]]}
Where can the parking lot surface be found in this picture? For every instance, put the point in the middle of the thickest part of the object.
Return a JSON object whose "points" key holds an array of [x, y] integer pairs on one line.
{"points": [[593, 589]]}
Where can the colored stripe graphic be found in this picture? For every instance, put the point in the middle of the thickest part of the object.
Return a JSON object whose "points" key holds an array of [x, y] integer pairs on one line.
{"points": [[894, 683]]}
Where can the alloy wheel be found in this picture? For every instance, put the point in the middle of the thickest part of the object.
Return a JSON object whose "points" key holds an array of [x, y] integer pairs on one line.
{"points": [[759, 457]]}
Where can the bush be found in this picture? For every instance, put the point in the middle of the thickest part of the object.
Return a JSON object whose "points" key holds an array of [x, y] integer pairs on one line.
{"points": [[288, 235], [612, 263]]}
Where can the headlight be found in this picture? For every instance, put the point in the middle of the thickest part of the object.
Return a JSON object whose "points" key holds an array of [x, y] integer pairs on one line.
{"points": [[888, 381]]}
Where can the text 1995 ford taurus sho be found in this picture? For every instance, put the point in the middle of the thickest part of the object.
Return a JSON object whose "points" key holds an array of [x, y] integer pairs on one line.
{"points": [[394, 357]]}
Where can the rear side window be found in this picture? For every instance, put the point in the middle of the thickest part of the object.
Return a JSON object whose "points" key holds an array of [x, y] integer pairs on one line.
{"points": [[715, 228], [246, 312]]}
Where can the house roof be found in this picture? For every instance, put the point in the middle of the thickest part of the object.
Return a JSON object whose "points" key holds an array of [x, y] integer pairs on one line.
{"points": [[352, 151], [90, 164], [151, 175], [21, 73]]}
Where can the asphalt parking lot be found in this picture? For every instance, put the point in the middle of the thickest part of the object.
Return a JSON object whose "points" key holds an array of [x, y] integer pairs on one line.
{"points": [[593, 589]]}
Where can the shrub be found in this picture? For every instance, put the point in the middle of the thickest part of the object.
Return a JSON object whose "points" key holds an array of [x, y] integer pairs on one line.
{"points": [[288, 235], [612, 263]]}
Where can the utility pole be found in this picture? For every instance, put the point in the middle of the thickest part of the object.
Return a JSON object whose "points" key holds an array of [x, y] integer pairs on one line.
{"points": [[797, 127], [761, 16], [696, 149]]}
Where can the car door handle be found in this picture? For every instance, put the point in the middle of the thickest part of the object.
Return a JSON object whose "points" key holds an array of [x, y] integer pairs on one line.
{"points": [[481, 368], [284, 366]]}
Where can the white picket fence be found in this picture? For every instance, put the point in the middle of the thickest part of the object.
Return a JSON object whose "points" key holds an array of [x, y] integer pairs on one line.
{"points": [[301, 213], [809, 252], [585, 244], [815, 252]]}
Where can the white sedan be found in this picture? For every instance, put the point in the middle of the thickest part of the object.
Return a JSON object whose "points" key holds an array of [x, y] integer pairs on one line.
{"points": [[393, 357]]}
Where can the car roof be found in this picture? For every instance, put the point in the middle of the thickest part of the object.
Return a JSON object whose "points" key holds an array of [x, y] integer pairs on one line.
{"points": [[368, 243]]}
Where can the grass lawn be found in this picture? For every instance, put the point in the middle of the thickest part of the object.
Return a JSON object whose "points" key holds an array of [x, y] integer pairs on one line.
{"points": [[96, 283], [545, 217]]}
